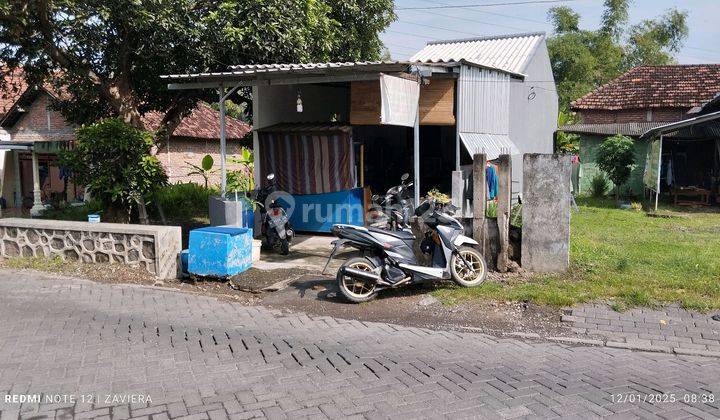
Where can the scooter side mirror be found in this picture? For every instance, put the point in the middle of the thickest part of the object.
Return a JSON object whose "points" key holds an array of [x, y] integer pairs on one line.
{"points": [[270, 177], [375, 197], [404, 177]]}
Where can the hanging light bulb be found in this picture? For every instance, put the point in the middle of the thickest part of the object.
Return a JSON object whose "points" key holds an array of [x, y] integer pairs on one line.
{"points": [[299, 102]]}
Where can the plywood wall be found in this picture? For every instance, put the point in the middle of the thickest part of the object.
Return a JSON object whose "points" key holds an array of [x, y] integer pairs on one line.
{"points": [[365, 103], [436, 102]]}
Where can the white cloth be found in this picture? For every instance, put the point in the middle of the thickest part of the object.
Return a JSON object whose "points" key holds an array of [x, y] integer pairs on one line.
{"points": [[399, 100]]}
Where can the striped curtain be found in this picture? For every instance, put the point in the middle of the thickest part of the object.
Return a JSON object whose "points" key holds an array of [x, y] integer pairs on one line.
{"points": [[308, 163]]}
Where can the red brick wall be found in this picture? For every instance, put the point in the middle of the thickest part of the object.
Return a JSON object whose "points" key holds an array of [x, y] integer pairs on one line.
{"points": [[175, 156], [39, 123], [632, 115]]}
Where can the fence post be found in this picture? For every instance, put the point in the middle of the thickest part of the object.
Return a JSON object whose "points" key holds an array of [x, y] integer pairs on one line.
{"points": [[457, 192], [479, 200], [503, 209], [546, 213]]}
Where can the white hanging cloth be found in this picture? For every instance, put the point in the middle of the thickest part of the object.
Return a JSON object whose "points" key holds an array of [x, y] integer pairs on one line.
{"points": [[399, 100]]}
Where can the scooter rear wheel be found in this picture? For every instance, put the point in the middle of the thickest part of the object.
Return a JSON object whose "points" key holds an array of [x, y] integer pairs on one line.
{"points": [[468, 276], [353, 289]]}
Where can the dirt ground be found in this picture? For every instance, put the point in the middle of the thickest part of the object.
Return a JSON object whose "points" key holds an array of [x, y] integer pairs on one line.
{"points": [[414, 306]]}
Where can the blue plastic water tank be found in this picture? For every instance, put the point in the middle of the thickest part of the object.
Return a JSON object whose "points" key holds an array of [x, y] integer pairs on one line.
{"points": [[220, 251]]}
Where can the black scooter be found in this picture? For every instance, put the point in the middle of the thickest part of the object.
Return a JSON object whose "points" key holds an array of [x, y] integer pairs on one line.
{"points": [[388, 259], [395, 208], [276, 231]]}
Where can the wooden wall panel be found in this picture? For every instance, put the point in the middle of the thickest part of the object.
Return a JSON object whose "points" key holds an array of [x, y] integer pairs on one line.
{"points": [[436, 102], [365, 103]]}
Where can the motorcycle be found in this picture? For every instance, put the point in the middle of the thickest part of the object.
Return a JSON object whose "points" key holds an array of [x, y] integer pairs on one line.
{"points": [[395, 207], [276, 231], [388, 259]]}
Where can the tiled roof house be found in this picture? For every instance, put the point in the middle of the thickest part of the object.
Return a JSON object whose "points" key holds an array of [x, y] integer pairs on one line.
{"points": [[643, 98], [26, 116]]}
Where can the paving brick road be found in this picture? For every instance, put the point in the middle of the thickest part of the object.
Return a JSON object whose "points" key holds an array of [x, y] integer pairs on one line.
{"points": [[80, 343]]}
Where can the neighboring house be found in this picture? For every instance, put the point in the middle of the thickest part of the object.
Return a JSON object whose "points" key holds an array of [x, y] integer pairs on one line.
{"points": [[642, 99], [329, 130], [30, 128]]}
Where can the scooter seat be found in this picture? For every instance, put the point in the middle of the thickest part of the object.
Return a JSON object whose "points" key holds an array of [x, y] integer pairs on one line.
{"points": [[400, 234]]}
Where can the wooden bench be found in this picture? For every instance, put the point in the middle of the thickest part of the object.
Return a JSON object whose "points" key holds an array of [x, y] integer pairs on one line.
{"points": [[701, 195]]}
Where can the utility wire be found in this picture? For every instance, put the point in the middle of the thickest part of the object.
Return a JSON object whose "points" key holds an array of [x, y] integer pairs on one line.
{"points": [[542, 22], [470, 6]]}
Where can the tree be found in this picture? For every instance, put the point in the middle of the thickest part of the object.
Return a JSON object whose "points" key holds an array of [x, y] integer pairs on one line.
{"points": [[105, 57], [111, 159], [617, 159], [582, 60]]}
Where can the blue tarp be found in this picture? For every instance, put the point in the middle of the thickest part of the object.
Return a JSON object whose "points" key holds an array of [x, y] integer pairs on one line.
{"points": [[318, 212]]}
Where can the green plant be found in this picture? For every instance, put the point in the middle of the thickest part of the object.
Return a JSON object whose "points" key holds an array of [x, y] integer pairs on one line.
{"points": [[184, 201], [599, 186], [567, 143], [204, 169], [437, 196], [491, 209], [74, 213], [516, 215], [617, 160], [243, 179], [635, 206], [112, 160]]}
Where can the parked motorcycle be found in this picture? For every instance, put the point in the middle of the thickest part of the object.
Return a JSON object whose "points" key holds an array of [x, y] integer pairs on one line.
{"points": [[388, 259], [276, 231], [395, 207]]}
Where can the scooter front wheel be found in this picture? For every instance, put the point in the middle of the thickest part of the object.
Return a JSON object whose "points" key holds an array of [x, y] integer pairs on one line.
{"points": [[353, 289], [470, 272]]}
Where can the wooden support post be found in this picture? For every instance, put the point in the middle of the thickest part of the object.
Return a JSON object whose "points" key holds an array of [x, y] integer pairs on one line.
{"points": [[503, 209], [479, 200]]}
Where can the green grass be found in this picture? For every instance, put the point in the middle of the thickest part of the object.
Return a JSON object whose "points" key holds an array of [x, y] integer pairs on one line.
{"points": [[625, 257]]}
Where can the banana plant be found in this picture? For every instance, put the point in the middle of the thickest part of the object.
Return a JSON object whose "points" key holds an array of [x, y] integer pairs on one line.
{"points": [[205, 169]]}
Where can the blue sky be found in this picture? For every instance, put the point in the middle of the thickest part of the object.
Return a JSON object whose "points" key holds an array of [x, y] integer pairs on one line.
{"points": [[414, 28]]}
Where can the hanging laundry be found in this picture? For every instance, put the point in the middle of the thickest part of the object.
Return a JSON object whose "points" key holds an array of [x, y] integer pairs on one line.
{"points": [[669, 175], [492, 182]]}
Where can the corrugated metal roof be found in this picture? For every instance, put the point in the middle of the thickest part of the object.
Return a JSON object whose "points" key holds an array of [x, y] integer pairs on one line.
{"points": [[509, 53], [307, 127], [493, 145], [626, 129], [251, 70], [696, 126]]}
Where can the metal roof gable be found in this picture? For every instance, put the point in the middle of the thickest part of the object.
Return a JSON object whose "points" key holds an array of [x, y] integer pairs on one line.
{"points": [[509, 53]]}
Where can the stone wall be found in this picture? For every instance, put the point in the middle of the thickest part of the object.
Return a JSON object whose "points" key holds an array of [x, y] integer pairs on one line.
{"points": [[154, 248], [546, 213]]}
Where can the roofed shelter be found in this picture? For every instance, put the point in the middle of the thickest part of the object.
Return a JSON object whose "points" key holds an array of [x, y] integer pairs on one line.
{"points": [[690, 146], [323, 128]]}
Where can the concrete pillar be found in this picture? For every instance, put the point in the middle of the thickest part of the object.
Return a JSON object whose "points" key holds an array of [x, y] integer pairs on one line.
{"points": [[37, 207], [457, 192], [546, 213], [479, 200], [17, 189], [503, 209]]}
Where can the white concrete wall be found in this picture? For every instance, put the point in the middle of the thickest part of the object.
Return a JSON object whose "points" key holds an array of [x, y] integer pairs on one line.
{"points": [[533, 111]]}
